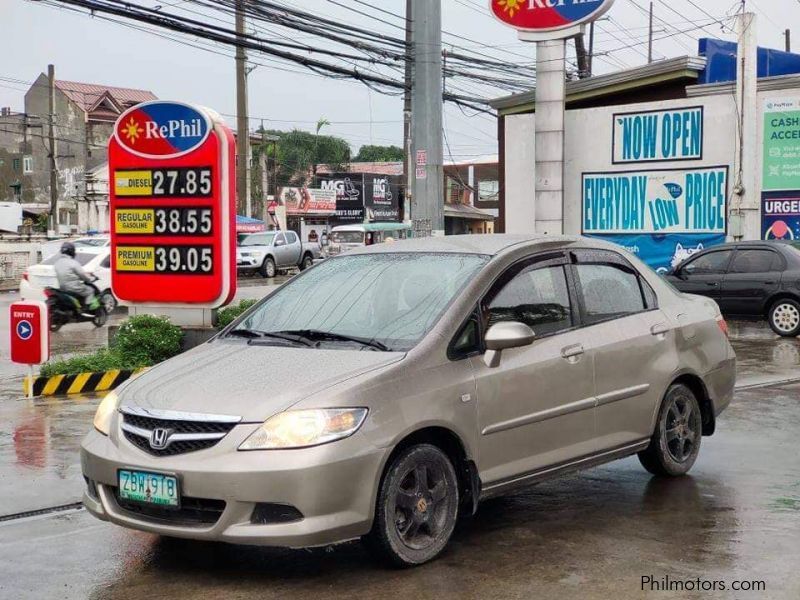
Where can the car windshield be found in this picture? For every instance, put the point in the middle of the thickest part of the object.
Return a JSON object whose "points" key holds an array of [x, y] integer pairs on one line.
{"points": [[347, 237], [81, 257], [386, 301], [259, 239]]}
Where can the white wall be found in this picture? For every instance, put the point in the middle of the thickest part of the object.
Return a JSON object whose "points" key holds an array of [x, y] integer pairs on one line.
{"points": [[519, 179], [588, 147]]}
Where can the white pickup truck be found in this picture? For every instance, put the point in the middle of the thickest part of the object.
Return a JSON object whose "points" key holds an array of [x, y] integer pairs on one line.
{"points": [[269, 252]]}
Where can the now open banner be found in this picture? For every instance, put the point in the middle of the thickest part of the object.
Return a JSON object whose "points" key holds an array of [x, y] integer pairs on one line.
{"points": [[656, 201]]}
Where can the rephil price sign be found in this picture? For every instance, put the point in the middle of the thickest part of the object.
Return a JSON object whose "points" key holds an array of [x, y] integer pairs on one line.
{"points": [[547, 15], [172, 206]]}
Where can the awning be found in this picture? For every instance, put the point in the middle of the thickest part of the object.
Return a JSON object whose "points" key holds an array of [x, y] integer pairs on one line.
{"points": [[249, 224], [466, 211]]}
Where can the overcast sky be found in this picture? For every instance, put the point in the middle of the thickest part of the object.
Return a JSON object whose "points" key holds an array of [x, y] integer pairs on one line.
{"points": [[287, 96]]}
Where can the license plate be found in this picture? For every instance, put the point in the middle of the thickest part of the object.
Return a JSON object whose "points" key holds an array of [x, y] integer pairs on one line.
{"points": [[148, 488]]}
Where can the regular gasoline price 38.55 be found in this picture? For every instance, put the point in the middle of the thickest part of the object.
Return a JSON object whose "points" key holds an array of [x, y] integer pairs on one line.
{"points": [[183, 259], [183, 220]]}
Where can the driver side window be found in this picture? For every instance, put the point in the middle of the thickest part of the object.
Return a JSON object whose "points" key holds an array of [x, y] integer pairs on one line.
{"points": [[538, 297], [713, 263]]}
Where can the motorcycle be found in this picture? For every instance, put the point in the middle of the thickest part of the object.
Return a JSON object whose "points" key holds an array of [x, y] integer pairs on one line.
{"points": [[64, 307]]}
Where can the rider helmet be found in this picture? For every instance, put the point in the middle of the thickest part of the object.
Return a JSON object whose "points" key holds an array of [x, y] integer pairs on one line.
{"points": [[68, 248]]}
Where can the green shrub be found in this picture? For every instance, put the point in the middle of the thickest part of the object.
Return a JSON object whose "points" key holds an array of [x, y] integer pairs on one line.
{"points": [[101, 360], [227, 315], [141, 341], [147, 339]]}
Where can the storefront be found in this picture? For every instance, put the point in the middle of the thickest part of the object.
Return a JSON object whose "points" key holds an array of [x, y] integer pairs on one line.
{"points": [[308, 210]]}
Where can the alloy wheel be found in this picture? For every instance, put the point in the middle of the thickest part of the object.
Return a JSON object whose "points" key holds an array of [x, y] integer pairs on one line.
{"points": [[421, 511], [681, 429]]}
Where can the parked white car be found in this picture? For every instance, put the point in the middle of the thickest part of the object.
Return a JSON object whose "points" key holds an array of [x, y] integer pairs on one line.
{"points": [[95, 260], [53, 247]]}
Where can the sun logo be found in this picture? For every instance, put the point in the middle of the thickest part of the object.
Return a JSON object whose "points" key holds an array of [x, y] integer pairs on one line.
{"points": [[131, 130], [511, 6]]}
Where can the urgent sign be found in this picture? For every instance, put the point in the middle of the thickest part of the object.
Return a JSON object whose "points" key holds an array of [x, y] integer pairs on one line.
{"points": [[172, 207], [547, 15], [657, 201], [658, 135], [30, 332]]}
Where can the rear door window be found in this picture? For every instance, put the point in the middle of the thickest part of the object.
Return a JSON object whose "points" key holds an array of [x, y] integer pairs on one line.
{"points": [[609, 291], [755, 261]]}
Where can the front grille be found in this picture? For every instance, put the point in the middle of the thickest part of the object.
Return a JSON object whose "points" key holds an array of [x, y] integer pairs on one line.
{"points": [[193, 511], [183, 434]]}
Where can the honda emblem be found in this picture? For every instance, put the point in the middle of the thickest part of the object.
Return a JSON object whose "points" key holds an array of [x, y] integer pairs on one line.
{"points": [[159, 438]]}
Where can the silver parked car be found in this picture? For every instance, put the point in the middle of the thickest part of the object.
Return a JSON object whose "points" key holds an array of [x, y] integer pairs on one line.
{"points": [[269, 252], [382, 391]]}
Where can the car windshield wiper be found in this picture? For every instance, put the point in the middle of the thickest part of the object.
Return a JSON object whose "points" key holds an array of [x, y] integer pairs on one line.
{"points": [[257, 334], [317, 335]]}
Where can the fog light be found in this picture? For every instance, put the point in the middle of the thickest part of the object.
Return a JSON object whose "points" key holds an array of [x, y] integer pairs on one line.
{"points": [[269, 513]]}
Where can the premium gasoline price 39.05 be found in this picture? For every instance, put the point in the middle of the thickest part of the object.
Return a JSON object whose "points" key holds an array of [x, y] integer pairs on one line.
{"points": [[189, 260]]}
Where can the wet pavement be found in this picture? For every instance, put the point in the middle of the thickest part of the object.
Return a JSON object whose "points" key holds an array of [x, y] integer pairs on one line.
{"points": [[592, 535]]}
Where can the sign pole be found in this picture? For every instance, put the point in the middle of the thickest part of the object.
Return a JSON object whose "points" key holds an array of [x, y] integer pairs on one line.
{"points": [[30, 381]]}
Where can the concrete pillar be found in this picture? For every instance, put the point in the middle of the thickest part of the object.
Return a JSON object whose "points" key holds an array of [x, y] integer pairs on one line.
{"points": [[745, 211], [549, 132]]}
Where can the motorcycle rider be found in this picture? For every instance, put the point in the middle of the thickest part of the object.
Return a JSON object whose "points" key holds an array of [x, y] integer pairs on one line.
{"points": [[73, 279]]}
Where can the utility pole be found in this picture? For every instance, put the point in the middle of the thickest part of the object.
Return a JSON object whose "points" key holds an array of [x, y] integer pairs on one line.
{"points": [[408, 161], [650, 37], [582, 58], [427, 210], [591, 47], [51, 117], [243, 202], [788, 35]]}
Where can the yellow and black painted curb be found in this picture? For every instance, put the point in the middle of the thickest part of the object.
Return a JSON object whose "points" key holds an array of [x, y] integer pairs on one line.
{"points": [[58, 385]]}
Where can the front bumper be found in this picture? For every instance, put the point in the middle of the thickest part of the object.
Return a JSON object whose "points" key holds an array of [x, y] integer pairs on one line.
{"points": [[248, 262], [334, 487]]}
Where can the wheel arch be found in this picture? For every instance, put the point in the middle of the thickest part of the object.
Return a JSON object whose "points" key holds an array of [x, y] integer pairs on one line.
{"points": [[698, 387], [781, 295], [449, 442]]}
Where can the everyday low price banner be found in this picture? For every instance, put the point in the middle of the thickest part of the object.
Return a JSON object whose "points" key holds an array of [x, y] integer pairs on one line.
{"points": [[655, 201]]}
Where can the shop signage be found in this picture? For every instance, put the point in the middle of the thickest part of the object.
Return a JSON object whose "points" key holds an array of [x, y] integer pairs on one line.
{"points": [[780, 216], [547, 15], [172, 203], [349, 191], [308, 201], [657, 201], [658, 135], [382, 198], [781, 145], [665, 252]]}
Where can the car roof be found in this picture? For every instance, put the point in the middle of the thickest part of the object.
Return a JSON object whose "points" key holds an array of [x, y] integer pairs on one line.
{"points": [[490, 244]]}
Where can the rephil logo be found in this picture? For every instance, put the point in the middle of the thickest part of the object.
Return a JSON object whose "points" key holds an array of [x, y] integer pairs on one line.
{"points": [[547, 15], [162, 129]]}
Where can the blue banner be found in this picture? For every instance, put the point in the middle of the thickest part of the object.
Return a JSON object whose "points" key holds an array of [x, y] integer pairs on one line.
{"points": [[664, 252]]}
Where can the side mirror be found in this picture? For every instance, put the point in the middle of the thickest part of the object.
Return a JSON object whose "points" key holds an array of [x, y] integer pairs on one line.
{"points": [[280, 243], [505, 335]]}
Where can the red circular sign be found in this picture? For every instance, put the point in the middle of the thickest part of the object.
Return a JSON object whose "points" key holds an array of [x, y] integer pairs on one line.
{"points": [[547, 15]]}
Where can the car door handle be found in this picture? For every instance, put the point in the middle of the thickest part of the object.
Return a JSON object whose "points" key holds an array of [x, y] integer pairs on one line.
{"points": [[770, 282], [712, 284], [572, 351], [659, 329]]}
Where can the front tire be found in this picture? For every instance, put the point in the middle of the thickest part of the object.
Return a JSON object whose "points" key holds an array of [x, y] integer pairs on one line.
{"points": [[784, 317], [307, 262], [268, 270], [675, 444], [417, 506], [108, 301]]}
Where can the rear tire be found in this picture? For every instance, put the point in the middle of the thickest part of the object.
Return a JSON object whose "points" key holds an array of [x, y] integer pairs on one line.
{"points": [[100, 317], [784, 317], [675, 444], [307, 262], [417, 506], [268, 270]]}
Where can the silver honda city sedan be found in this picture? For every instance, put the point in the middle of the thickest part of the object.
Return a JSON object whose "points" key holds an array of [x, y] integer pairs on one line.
{"points": [[382, 392]]}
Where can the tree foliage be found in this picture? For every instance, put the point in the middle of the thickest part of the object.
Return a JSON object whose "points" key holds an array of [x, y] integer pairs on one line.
{"points": [[379, 154]]}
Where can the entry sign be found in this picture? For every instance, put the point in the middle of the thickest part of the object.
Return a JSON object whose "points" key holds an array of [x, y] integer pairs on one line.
{"points": [[173, 240], [30, 333], [547, 15]]}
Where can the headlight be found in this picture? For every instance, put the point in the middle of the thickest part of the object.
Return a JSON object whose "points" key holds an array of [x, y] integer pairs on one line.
{"points": [[105, 413], [303, 428]]}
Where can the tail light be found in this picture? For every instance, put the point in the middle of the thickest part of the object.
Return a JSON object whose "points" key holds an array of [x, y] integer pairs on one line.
{"points": [[25, 276], [48, 292], [723, 325]]}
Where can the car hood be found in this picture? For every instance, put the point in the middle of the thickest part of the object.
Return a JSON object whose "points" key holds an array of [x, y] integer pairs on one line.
{"points": [[253, 382]]}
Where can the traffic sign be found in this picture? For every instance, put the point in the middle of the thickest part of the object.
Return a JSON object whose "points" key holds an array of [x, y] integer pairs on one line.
{"points": [[172, 200], [30, 334], [546, 16]]}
